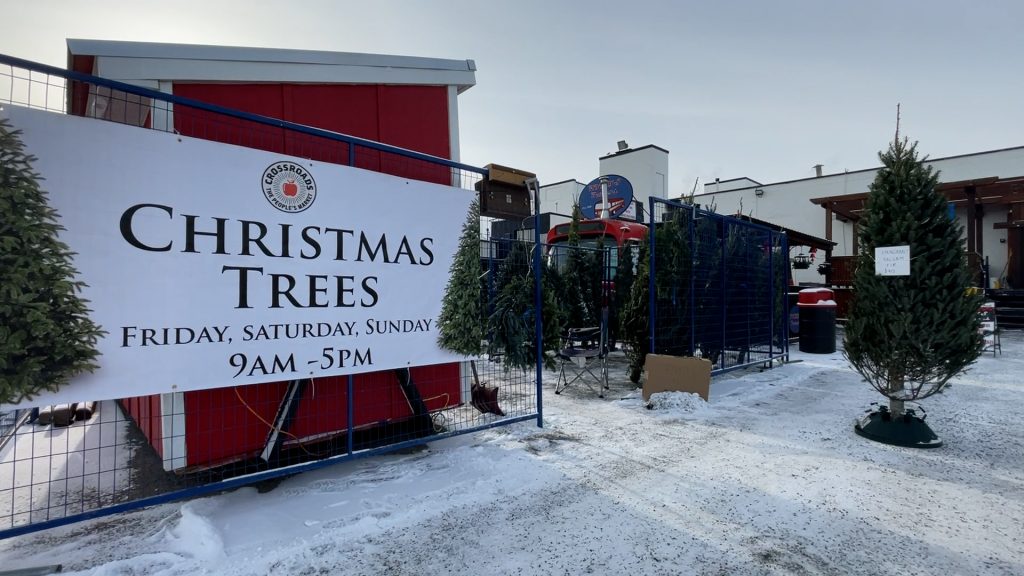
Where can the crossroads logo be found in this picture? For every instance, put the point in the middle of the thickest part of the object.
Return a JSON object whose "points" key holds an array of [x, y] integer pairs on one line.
{"points": [[288, 187]]}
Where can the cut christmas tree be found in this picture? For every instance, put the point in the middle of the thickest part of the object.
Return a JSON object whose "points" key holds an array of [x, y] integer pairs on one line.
{"points": [[909, 334]]}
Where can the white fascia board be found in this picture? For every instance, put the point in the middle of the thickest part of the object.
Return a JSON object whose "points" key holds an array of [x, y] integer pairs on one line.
{"points": [[453, 124], [133, 69], [270, 55], [156, 61]]}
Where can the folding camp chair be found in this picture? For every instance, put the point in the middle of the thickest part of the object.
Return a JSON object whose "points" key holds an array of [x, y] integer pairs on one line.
{"points": [[583, 351]]}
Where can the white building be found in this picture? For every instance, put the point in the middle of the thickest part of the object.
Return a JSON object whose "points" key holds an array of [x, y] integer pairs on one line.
{"points": [[560, 197], [986, 190], [645, 167]]}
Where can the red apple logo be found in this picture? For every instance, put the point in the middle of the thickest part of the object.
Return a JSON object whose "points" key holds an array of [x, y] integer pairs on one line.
{"points": [[290, 188]]}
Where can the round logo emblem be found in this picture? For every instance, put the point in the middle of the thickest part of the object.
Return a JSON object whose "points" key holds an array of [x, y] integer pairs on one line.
{"points": [[288, 187]]}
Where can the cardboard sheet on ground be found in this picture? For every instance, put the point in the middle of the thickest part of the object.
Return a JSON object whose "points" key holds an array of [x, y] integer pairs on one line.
{"points": [[677, 374]]}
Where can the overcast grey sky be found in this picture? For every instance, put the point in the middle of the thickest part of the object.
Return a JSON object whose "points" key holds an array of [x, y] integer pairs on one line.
{"points": [[730, 88]]}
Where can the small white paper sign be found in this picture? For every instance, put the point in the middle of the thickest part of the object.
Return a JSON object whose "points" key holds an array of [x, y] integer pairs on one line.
{"points": [[892, 261]]}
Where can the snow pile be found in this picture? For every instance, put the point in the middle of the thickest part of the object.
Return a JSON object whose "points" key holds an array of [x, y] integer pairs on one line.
{"points": [[678, 402], [193, 536]]}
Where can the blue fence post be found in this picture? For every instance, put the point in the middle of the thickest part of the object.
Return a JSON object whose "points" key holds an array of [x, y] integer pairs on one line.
{"points": [[771, 299], [785, 288], [693, 273], [538, 301], [652, 296], [351, 410], [724, 290]]}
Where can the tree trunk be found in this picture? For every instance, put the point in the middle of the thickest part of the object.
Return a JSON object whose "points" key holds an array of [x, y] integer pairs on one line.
{"points": [[896, 378]]}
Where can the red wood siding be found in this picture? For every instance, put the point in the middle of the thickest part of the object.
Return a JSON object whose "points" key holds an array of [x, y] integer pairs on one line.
{"points": [[413, 117], [409, 120], [225, 424], [79, 95], [262, 99], [351, 111]]}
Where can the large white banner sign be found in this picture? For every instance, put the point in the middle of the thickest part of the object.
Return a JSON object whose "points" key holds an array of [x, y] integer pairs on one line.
{"points": [[212, 265]]}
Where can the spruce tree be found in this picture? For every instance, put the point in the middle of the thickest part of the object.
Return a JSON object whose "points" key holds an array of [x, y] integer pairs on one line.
{"points": [[46, 336], [462, 323], [908, 335]]}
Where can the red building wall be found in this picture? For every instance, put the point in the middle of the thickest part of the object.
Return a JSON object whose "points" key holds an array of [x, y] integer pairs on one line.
{"points": [[412, 117]]}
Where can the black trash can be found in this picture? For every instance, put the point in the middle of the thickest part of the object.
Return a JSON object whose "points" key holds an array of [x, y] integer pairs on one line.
{"points": [[817, 321]]}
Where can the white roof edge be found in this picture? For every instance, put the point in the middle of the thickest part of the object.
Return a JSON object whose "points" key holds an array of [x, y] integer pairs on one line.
{"points": [[125, 49], [175, 70], [182, 62]]}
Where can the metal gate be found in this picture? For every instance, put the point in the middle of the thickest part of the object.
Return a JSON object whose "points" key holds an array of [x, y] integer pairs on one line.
{"points": [[717, 287], [60, 465]]}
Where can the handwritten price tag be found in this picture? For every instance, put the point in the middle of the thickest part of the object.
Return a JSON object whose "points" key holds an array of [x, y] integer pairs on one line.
{"points": [[892, 261]]}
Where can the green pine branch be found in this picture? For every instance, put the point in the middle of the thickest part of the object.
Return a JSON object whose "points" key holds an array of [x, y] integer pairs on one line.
{"points": [[46, 336], [909, 335]]}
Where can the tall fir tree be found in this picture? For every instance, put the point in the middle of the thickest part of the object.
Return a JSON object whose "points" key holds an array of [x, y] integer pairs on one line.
{"points": [[46, 336], [909, 335], [462, 323]]}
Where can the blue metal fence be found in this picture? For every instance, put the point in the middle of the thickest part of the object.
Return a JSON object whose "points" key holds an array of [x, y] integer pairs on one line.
{"points": [[130, 453], [717, 287]]}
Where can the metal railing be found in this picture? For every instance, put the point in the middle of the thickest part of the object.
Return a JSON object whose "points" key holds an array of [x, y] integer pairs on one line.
{"points": [[134, 452], [844, 268], [717, 287]]}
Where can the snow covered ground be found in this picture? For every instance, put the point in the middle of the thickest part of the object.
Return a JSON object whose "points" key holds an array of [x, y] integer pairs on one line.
{"points": [[767, 478], [50, 472]]}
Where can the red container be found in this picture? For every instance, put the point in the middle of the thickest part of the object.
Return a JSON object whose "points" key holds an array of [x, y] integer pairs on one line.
{"points": [[817, 320], [816, 297]]}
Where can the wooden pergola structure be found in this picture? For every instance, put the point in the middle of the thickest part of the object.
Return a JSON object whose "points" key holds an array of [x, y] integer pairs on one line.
{"points": [[793, 237], [797, 238], [977, 196]]}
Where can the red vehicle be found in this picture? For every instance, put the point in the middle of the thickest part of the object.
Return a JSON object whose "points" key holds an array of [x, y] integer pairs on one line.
{"points": [[609, 233]]}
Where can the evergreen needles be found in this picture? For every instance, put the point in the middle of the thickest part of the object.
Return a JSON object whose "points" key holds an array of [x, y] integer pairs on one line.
{"points": [[46, 336], [908, 335], [462, 320]]}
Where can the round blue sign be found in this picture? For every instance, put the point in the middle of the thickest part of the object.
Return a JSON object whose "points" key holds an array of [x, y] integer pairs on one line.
{"points": [[620, 196]]}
